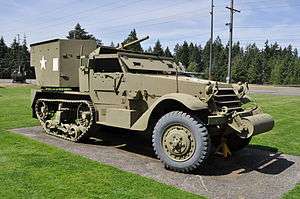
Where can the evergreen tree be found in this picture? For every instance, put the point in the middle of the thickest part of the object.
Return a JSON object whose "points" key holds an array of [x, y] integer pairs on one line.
{"points": [[13, 55], [253, 61], [3, 54], [206, 57], [220, 59], [177, 53], [196, 58], [3, 48], [276, 75], [192, 67], [168, 52], [269, 64], [25, 58], [183, 55], [132, 37], [149, 50], [157, 49], [79, 33]]}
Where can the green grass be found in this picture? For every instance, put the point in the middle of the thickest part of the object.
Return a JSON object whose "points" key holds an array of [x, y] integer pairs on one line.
{"points": [[293, 194], [286, 111], [285, 136], [29, 169], [15, 108]]}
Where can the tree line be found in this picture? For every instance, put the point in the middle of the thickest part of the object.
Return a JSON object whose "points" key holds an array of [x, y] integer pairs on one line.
{"points": [[14, 56], [271, 64]]}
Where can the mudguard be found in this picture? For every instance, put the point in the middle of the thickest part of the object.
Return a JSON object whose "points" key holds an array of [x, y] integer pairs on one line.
{"points": [[188, 101]]}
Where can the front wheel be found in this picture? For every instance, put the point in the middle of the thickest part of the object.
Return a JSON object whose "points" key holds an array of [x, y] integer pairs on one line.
{"points": [[181, 141]]}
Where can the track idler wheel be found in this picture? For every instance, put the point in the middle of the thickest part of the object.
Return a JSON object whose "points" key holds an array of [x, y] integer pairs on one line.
{"points": [[74, 132]]}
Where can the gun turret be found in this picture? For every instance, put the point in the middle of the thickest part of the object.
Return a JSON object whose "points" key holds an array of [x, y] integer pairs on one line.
{"points": [[124, 46]]}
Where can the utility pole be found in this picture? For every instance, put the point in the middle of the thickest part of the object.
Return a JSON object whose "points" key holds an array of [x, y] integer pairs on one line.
{"points": [[232, 11], [211, 40], [18, 52]]}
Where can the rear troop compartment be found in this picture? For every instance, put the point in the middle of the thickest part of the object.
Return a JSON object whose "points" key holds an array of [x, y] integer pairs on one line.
{"points": [[57, 61]]}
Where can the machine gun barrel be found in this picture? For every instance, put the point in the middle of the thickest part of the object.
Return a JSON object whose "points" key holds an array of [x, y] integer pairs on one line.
{"points": [[123, 46]]}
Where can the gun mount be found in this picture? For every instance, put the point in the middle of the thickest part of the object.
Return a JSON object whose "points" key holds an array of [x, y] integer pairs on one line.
{"points": [[124, 46]]}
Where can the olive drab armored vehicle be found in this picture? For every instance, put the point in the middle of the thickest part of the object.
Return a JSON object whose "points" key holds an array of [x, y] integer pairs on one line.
{"points": [[189, 118], [19, 76]]}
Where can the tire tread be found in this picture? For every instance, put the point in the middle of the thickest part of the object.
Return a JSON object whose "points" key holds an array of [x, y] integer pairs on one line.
{"points": [[203, 132]]}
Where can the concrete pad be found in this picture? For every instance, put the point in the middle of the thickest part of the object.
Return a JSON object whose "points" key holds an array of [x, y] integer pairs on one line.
{"points": [[274, 90], [255, 172]]}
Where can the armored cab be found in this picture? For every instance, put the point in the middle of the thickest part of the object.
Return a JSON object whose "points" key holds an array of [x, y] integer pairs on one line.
{"points": [[188, 118]]}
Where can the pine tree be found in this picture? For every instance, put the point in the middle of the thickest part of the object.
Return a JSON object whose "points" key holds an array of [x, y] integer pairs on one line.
{"points": [[177, 52], [184, 55], [220, 59], [149, 50], [239, 70], [25, 57], [192, 67], [3, 54], [196, 57], [168, 52], [157, 49], [133, 37], [79, 33], [3, 48], [13, 54], [205, 58]]}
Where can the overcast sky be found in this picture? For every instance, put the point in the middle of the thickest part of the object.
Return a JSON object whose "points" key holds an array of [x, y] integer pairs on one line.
{"points": [[171, 21]]}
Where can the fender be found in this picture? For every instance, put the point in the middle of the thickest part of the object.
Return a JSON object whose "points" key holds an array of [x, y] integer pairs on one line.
{"points": [[36, 94], [188, 101]]}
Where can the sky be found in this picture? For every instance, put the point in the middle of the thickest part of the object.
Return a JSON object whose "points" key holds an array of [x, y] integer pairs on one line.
{"points": [[170, 21]]}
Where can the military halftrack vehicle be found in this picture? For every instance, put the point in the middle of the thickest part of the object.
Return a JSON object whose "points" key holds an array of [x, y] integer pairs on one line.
{"points": [[19, 76], [189, 118]]}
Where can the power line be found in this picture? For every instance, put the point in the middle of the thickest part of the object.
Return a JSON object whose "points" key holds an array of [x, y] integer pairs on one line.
{"points": [[264, 27], [69, 17], [140, 26], [42, 14], [86, 12], [118, 18]]}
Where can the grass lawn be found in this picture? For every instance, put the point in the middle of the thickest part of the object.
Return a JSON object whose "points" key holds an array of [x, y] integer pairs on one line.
{"points": [[286, 134], [29, 169], [33, 170]]}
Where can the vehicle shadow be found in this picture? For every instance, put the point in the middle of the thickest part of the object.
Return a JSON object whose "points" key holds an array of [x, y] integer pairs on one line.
{"points": [[130, 141], [257, 158], [253, 158]]}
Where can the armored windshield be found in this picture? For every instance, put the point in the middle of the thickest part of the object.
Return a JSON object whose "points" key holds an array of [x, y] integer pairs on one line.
{"points": [[148, 63]]}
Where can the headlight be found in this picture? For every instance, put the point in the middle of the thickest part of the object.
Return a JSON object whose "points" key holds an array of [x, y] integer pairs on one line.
{"points": [[209, 89]]}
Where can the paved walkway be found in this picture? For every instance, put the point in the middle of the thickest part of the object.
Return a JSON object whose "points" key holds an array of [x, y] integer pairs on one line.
{"points": [[253, 173], [275, 90]]}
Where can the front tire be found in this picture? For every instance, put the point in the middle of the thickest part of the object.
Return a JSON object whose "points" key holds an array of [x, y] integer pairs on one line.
{"points": [[181, 141]]}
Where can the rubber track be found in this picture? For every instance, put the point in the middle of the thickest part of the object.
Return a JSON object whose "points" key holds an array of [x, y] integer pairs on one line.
{"points": [[84, 134]]}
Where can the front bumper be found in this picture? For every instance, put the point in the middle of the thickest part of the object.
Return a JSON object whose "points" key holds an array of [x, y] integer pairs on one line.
{"points": [[246, 124]]}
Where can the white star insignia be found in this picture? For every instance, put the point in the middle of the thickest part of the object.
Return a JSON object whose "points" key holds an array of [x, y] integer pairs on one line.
{"points": [[43, 63]]}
